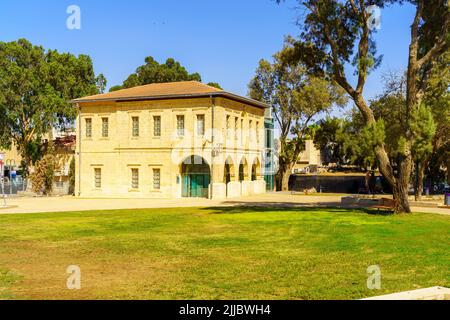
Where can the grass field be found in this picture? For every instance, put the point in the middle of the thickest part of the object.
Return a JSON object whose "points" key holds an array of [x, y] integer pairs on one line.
{"points": [[221, 253]]}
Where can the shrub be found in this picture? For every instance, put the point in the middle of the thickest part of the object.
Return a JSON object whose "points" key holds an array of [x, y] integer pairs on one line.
{"points": [[42, 177]]}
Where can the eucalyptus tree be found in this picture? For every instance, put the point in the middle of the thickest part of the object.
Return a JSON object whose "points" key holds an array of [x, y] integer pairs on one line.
{"points": [[296, 98], [35, 89], [336, 35]]}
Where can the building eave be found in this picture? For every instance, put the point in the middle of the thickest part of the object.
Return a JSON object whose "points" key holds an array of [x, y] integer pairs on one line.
{"points": [[223, 94]]}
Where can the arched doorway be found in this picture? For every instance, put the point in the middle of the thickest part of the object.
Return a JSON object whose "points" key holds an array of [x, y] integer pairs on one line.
{"points": [[256, 169], [196, 177], [228, 173], [243, 169]]}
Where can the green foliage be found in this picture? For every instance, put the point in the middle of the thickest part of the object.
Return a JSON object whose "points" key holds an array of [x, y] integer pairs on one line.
{"points": [[101, 83], [215, 85], [423, 128], [35, 89], [42, 177], [329, 137], [296, 98], [153, 72], [72, 177], [115, 88]]}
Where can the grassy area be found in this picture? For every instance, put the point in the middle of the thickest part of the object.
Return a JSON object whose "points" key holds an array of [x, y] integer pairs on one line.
{"points": [[221, 253]]}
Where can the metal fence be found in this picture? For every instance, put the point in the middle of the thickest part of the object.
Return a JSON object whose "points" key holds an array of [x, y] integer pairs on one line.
{"points": [[13, 188]]}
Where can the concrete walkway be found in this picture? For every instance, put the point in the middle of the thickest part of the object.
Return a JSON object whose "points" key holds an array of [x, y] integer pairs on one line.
{"points": [[66, 204]]}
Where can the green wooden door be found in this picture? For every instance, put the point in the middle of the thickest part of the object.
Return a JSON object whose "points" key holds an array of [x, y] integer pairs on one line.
{"points": [[195, 186]]}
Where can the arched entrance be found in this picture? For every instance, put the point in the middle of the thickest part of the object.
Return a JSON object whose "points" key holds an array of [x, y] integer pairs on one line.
{"points": [[256, 169], [228, 173], [243, 169], [196, 177]]}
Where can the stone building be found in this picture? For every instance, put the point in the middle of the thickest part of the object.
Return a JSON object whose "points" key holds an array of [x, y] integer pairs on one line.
{"points": [[169, 140], [309, 160]]}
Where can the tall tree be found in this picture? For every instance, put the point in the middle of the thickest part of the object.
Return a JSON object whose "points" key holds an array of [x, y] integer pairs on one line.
{"points": [[154, 72], [437, 97], [35, 89], [336, 34], [296, 99], [101, 83]]}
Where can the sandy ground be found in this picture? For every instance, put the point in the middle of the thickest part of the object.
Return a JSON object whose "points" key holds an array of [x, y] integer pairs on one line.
{"points": [[66, 204]]}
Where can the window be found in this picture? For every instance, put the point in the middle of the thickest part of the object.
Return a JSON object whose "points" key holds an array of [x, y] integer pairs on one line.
{"points": [[157, 126], [236, 124], [228, 127], [242, 130], [257, 131], [156, 179], [135, 129], [135, 178], [89, 128], [200, 125], [105, 127], [250, 132], [180, 126], [98, 178]]}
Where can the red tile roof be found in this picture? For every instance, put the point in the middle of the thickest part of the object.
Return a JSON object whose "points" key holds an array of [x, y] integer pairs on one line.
{"points": [[185, 89]]}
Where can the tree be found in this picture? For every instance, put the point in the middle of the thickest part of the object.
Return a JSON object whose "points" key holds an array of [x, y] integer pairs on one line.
{"points": [[72, 176], [115, 88], [101, 83], [437, 97], [296, 98], [42, 177], [331, 33], [35, 89], [326, 138], [215, 85], [153, 72]]}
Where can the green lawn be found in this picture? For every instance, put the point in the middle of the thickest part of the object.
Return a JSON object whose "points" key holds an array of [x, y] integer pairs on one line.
{"points": [[221, 253]]}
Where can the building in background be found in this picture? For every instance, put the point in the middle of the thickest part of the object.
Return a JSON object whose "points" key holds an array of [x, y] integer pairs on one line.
{"points": [[309, 160], [65, 146], [169, 140]]}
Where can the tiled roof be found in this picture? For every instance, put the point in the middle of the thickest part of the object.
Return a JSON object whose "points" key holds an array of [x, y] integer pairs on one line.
{"points": [[168, 90]]}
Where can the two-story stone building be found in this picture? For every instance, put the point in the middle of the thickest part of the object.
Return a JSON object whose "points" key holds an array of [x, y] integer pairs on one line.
{"points": [[169, 140]]}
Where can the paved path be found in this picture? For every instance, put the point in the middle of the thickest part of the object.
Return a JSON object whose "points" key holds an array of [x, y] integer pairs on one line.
{"points": [[66, 204]]}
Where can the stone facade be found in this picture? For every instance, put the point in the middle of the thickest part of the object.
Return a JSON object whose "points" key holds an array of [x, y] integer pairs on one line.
{"points": [[169, 148]]}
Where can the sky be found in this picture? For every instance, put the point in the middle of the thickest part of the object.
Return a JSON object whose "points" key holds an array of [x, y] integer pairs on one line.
{"points": [[221, 40]]}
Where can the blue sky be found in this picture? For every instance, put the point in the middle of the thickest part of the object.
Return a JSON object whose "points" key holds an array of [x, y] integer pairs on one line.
{"points": [[222, 40]]}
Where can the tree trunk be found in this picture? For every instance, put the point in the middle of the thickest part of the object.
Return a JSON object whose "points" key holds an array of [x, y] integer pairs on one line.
{"points": [[400, 183], [448, 170], [283, 176], [286, 175], [420, 176]]}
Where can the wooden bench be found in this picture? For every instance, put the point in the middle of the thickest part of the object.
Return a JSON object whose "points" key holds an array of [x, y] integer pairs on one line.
{"points": [[385, 204]]}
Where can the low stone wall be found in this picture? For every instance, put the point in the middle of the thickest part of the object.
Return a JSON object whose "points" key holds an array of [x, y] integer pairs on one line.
{"points": [[238, 189], [233, 190]]}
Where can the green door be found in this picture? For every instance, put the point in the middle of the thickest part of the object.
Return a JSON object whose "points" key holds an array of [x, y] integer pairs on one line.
{"points": [[186, 187], [195, 186]]}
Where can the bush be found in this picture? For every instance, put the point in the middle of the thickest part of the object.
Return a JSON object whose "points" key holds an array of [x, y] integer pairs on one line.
{"points": [[42, 177], [72, 177]]}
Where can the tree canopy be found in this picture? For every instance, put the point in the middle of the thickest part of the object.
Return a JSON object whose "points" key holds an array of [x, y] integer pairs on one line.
{"points": [[336, 35], [296, 99], [35, 89], [154, 72]]}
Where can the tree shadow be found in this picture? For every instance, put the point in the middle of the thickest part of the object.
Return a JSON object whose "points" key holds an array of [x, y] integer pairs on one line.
{"points": [[246, 207], [271, 207]]}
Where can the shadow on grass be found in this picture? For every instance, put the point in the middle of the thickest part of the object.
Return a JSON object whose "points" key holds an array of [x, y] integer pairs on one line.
{"points": [[246, 209], [258, 207]]}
